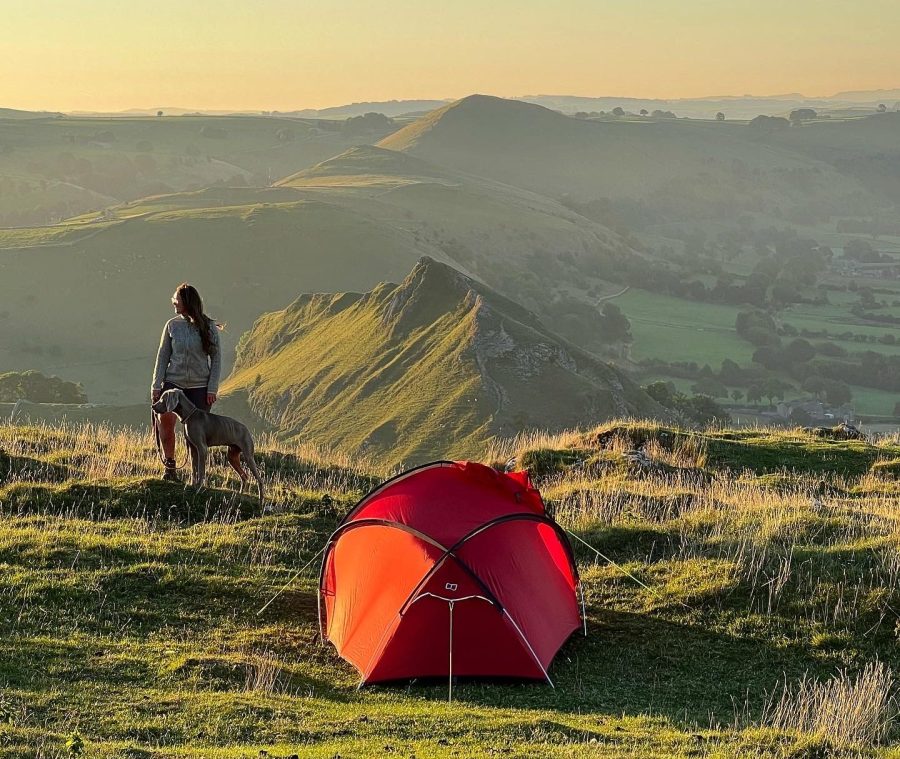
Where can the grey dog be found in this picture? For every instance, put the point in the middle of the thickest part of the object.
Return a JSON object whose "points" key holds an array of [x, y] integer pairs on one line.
{"points": [[203, 429]]}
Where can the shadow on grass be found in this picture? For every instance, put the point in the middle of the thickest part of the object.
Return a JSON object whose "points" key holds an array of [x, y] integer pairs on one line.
{"points": [[133, 498], [30, 469], [633, 664]]}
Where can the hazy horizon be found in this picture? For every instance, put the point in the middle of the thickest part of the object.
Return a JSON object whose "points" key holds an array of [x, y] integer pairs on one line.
{"points": [[288, 56]]}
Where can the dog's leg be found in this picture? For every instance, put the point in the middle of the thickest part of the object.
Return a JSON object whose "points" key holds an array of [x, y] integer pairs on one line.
{"points": [[192, 449], [251, 465], [202, 454], [234, 458]]}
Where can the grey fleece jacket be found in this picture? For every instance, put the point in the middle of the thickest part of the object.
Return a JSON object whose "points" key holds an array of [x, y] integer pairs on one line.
{"points": [[181, 360]]}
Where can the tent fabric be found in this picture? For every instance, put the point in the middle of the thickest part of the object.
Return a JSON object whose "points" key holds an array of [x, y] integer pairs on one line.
{"points": [[449, 568]]}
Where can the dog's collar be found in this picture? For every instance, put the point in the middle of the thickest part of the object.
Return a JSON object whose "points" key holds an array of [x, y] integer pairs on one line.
{"points": [[184, 420]]}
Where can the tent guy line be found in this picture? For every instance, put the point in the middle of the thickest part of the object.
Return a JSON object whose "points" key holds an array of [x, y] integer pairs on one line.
{"points": [[625, 571], [291, 580]]}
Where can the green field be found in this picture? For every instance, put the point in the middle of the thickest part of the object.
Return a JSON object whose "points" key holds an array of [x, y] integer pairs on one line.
{"points": [[674, 329], [747, 564]]}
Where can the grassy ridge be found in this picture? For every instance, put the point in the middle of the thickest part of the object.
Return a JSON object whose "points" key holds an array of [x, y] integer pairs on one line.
{"points": [[435, 366], [128, 606]]}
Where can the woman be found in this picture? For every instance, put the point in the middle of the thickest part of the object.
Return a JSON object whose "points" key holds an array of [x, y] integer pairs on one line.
{"points": [[188, 359]]}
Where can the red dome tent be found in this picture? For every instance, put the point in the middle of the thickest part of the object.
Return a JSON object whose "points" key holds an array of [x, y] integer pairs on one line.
{"points": [[448, 569]]}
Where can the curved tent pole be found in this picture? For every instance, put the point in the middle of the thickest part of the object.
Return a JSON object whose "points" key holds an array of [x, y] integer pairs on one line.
{"points": [[392, 481], [329, 546], [523, 516], [522, 635]]}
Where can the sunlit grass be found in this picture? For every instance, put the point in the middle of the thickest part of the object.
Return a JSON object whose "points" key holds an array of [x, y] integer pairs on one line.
{"points": [[729, 607]]}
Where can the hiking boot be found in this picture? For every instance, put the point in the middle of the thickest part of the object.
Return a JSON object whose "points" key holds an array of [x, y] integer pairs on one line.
{"points": [[171, 473]]}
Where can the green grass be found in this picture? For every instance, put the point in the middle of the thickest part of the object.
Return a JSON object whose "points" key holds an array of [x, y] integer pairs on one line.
{"points": [[868, 400], [674, 329], [128, 608]]}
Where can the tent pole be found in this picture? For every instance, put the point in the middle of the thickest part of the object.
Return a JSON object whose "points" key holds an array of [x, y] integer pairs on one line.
{"points": [[450, 668], [533, 654], [583, 610]]}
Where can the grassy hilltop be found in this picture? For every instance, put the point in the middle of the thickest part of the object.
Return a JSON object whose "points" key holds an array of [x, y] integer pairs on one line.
{"points": [[759, 619], [435, 366]]}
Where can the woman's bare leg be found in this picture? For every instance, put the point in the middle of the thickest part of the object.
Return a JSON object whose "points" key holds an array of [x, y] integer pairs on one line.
{"points": [[167, 424]]}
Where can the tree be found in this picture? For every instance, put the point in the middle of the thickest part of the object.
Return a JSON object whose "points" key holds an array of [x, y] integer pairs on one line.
{"points": [[662, 392], [731, 373], [615, 326], [644, 112], [862, 251], [768, 123], [159, 113], [618, 111], [774, 388], [720, 116], [709, 386], [736, 395], [837, 393], [38, 388], [882, 108], [800, 350], [754, 394], [802, 114], [769, 356], [814, 385]]}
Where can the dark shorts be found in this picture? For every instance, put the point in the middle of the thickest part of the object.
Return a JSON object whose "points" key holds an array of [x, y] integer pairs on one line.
{"points": [[196, 395]]}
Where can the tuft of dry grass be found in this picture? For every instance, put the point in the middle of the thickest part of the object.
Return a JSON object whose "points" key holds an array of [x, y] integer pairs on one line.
{"points": [[858, 710]]}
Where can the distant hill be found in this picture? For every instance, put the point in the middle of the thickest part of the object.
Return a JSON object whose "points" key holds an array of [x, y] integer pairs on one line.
{"points": [[435, 366], [14, 113], [387, 107], [676, 169], [741, 107], [55, 168], [868, 96], [524, 244]]}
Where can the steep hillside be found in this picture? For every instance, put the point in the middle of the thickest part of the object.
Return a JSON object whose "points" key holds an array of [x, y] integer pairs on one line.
{"points": [[526, 245], [437, 365], [680, 169]]}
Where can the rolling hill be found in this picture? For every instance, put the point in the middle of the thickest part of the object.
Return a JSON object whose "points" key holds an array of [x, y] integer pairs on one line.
{"points": [[435, 366], [526, 245], [678, 170], [54, 167]]}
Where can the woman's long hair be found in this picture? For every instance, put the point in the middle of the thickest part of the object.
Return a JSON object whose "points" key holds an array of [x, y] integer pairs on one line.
{"points": [[192, 304]]}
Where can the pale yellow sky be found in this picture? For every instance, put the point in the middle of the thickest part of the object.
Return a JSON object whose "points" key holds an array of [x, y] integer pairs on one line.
{"points": [[290, 54]]}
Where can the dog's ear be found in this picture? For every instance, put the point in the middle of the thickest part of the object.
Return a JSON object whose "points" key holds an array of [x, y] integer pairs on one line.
{"points": [[171, 398]]}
